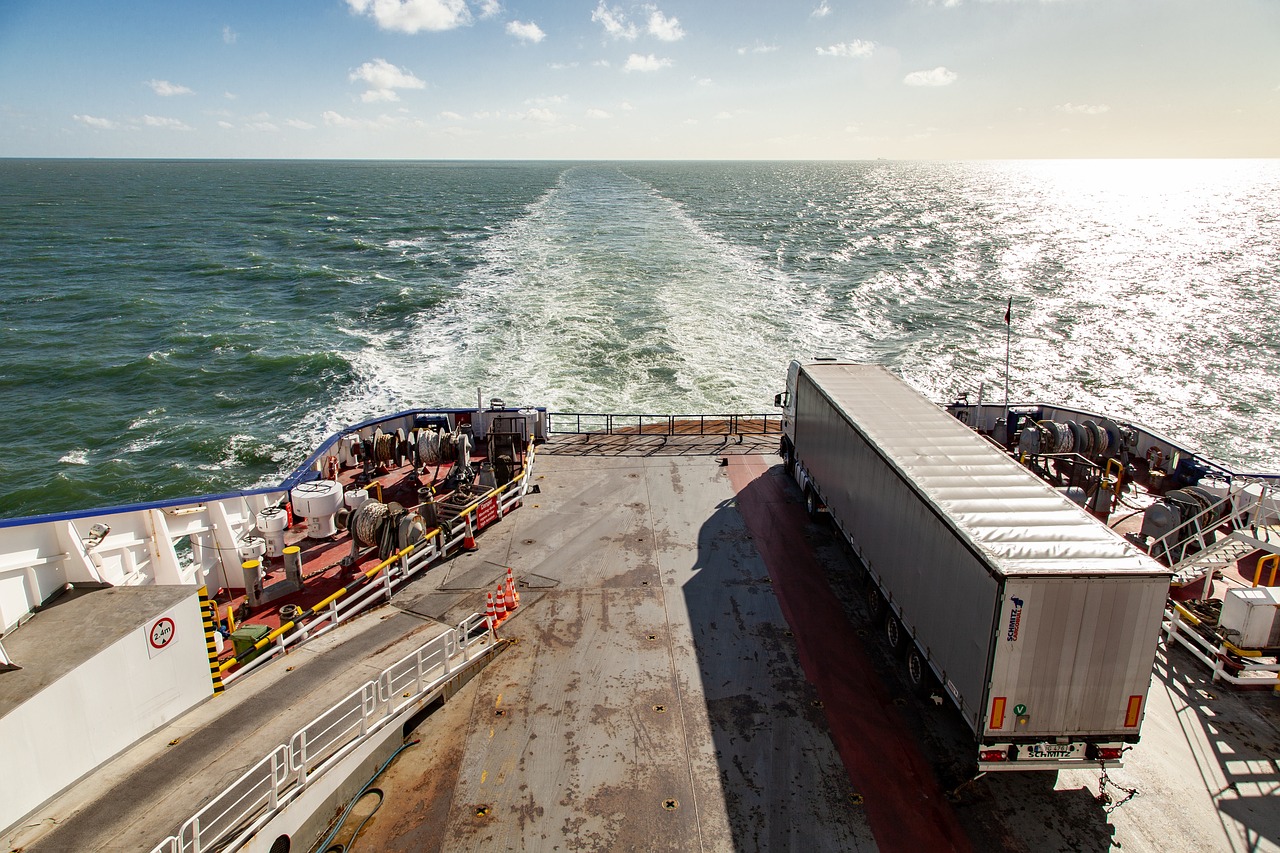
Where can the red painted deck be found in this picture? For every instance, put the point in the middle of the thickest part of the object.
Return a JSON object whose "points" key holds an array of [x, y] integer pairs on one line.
{"points": [[906, 808]]}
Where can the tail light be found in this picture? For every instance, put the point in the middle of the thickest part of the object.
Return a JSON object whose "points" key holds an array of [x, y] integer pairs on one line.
{"points": [[993, 755], [1109, 753]]}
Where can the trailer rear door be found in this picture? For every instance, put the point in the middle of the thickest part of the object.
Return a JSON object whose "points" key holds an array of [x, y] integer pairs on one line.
{"points": [[1073, 656]]}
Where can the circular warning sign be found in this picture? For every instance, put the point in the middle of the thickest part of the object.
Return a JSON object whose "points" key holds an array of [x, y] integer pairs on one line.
{"points": [[161, 633]]}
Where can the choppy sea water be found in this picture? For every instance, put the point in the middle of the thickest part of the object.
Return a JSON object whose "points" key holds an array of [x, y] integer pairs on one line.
{"points": [[175, 328]]}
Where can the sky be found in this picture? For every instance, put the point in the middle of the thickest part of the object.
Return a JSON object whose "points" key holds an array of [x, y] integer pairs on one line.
{"points": [[610, 79]]}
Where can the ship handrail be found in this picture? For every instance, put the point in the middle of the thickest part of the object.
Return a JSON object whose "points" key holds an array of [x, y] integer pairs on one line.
{"points": [[605, 423], [1178, 626], [396, 571], [232, 816], [1197, 528]]}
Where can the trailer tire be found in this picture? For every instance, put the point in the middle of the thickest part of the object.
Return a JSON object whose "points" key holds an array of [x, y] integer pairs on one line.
{"points": [[875, 605], [917, 669], [811, 505], [893, 631]]}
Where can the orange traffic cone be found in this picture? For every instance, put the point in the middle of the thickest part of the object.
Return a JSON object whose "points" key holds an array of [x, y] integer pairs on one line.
{"points": [[469, 537], [499, 606], [490, 615], [512, 600]]}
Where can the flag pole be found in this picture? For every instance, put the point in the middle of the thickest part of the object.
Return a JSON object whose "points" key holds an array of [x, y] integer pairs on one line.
{"points": [[1008, 339]]}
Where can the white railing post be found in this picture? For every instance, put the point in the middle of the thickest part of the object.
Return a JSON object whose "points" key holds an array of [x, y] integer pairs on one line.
{"points": [[298, 756]]}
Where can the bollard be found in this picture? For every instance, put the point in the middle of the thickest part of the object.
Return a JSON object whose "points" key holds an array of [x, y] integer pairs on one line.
{"points": [[252, 582], [293, 565]]}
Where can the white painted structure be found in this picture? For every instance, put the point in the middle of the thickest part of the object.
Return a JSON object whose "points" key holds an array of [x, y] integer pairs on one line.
{"points": [[92, 686]]}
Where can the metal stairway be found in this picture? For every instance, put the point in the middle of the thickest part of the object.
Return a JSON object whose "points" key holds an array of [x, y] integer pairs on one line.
{"points": [[1221, 554], [1251, 509]]}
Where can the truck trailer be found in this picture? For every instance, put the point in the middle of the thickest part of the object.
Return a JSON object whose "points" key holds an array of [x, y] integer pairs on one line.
{"points": [[1037, 621]]}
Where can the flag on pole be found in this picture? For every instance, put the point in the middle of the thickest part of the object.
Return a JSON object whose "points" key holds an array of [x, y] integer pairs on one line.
{"points": [[1008, 308]]}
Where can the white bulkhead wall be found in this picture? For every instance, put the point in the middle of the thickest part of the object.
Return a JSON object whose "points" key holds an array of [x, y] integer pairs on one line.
{"points": [[121, 694]]}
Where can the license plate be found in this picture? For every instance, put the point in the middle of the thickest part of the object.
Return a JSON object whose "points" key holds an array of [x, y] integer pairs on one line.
{"points": [[1050, 751]]}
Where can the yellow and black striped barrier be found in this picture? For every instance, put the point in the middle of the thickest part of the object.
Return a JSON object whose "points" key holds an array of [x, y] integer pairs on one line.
{"points": [[209, 615]]}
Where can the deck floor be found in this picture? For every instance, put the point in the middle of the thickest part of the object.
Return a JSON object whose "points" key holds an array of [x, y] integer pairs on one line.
{"points": [[694, 670], [658, 698]]}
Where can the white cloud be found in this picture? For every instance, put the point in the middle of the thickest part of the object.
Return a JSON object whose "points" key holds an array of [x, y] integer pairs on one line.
{"points": [[383, 79], [166, 123], [701, 81], [1083, 109], [636, 62], [299, 124], [562, 66], [230, 96], [526, 32], [225, 125], [546, 100], [229, 35], [856, 49], [664, 28], [613, 20], [412, 16], [262, 126], [595, 113], [489, 8], [166, 89], [758, 48], [337, 120], [449, 115], [625, 106], [97, 123], [382, 122], [540, 115], [939, 76], [823, 9]]}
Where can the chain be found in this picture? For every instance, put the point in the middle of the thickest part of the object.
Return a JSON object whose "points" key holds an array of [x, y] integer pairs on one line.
{"points": [[1108, 804]]}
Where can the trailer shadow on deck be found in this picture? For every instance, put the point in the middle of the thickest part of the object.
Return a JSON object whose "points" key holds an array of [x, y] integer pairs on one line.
{"points": [[782, 781], [891, 738]]}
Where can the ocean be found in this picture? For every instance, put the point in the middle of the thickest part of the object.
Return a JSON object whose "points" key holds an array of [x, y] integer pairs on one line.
{"points": [[174, 328]]}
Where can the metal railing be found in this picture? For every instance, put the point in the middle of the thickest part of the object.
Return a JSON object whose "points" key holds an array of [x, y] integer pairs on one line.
{"points": [[234, 815], [574, 423], [1179, 625], [378, 584], [1240, 514]]}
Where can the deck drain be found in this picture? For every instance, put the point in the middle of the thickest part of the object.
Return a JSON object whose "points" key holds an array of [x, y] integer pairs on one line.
{"points": [[652, 637], [501, 712], [644, 583], [530, 541], [817, 703], [671, 805], [482, 811], [661, 709]]}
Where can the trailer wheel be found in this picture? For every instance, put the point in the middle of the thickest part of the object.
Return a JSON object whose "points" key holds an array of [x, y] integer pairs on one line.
{"points": [[811, 505], [916, 669], [875, 605], [893, 631]]}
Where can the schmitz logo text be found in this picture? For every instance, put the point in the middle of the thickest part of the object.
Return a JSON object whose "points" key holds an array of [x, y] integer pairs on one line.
{"points": [[1015, 619]]}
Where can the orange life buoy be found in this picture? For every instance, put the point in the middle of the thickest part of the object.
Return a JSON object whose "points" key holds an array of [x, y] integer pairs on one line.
{"points": [[1155, 457]]}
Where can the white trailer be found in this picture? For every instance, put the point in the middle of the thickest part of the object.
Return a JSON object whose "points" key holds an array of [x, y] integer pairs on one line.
{"points": [[1039, 622]]}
